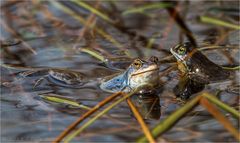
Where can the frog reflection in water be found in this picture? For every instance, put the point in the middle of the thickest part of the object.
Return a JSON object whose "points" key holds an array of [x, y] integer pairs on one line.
{"points": [[197, 69], [148, 105], [186, 87], [140, 73]]}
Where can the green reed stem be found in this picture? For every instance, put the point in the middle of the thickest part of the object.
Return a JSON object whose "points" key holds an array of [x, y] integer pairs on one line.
{"points": [[92, 120], [222, 105], [94, 54], [172, 119], [232, 68], [143, 8], [63, 100], [215, 21], [93, 10]]}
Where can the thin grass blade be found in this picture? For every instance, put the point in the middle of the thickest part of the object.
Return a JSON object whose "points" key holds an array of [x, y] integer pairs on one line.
{"points": [[87, 114], [94, 54], [172, 119], [63, 100], [215, 21], [92, 120], [141, 121], [93, 10], [220, 117], [83, 21], [143, 8], [222, 105]]}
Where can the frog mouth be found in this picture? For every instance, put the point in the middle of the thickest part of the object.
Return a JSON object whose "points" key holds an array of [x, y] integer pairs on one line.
{"points": [[145, 71]]}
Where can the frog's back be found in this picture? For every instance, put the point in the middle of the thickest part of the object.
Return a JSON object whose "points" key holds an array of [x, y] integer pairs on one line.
{"points": [[206, 69]]}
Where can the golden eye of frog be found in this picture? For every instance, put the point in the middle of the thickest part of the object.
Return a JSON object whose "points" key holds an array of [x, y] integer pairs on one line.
{"points": [[196, 65], [139, 74]]}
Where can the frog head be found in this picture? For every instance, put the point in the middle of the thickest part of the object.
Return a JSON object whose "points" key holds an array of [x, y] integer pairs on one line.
{"points": [[139, 74], [183, 51], [143, 73]]}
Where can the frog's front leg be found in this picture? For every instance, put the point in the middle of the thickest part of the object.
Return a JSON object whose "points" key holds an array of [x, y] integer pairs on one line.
{"points": [[39, 81], [182, 68], [181, 74]]}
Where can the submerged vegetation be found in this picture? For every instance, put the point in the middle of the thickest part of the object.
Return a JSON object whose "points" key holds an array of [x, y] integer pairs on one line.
{"points": [[125, 71]]}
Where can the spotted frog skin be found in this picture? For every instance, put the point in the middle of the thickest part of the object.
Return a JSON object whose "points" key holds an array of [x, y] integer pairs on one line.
{"points": [[196, 65], [61, 77], [65, 78], [139, 74]]}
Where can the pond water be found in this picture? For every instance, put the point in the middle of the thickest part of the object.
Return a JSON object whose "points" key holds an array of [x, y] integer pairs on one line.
{"points": [[26, 117]]}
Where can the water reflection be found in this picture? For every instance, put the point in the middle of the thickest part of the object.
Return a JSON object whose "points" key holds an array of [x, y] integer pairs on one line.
{"points": [[148, 105], [186, 87]]}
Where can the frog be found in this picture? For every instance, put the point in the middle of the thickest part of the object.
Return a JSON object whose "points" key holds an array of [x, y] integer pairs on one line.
{"points": [[59, 76], [197, 66], [140, 73]]}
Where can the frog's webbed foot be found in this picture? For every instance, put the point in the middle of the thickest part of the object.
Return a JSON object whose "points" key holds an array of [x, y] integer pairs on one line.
{"points": [[39, 81]]}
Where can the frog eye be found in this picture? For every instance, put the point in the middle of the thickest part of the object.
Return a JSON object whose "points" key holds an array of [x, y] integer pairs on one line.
{"points": [[137, 63], [154, 59], [181, 50]]}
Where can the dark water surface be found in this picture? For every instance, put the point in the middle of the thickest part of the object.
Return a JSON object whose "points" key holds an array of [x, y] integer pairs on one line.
{"points": [[26, 117]]}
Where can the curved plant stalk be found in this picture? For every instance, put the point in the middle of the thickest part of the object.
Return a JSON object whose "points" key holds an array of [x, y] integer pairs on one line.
{"points": [[93, 10], [232, 68], [222, 105], [210, 20], [203, 98], [172, 119], [63, 100], [220, 117], [217, 47], [84, 116], [94, 54], [141, 121], [147, 7], [152, 40], [92, 120]]}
